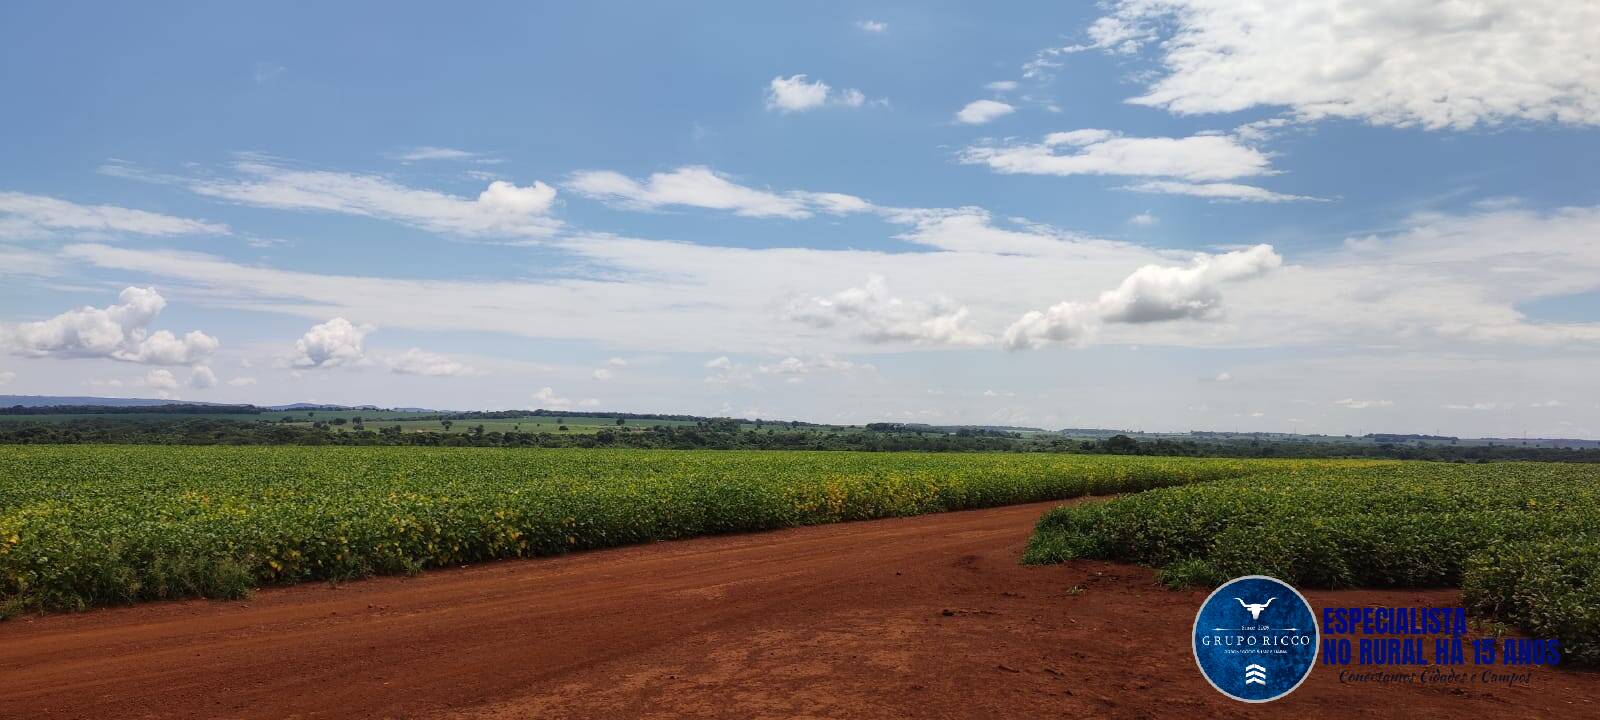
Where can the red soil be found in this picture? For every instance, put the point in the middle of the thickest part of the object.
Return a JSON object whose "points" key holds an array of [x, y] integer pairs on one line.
{"points": [[927, 617]]}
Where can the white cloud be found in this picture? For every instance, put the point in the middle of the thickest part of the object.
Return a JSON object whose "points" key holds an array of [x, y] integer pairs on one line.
{"points": [[794, 366], [1223, 377], [1102, 152], [1215, 191], [545, 398], [331, 344], [873, 26], [602, 374], [500, 210], [160, 380], [1437, 283], [798, 94], [427, 152], [7, 376], [700, 186], [117, 331], [24, 216], [242, 381], [1144, 219], [417, 361], [1002, 85], [1355, 404], [617, 362], [979, 112], [202, 377], [873, 314], [1153, 293], [1477, 406], [1435, 64]]}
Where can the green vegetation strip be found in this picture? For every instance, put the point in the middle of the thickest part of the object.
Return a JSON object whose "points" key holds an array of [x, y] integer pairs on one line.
{"points": [[93, 525], [1522, 540]]}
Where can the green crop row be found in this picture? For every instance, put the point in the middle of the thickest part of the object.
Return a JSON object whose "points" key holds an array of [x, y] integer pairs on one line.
{"points": [[91, 525], [1522, 540]]}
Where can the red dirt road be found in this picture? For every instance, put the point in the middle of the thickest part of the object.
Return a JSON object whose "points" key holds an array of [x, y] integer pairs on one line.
{"points": [[927, 617]]}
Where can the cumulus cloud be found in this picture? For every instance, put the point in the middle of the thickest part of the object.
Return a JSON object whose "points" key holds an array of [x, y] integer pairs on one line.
{"points": [[873, 26], [24, 216], [700, 186], [1434, 64], [1143, 219], [794, 369], [602, 374], [1103, 152], [545, 398], [160, 380], [502, 209], [417, 361], [201, 377], [332, 344], [798, 94], [979, 112], [875, 315], [117, 331], [1153, 293]]}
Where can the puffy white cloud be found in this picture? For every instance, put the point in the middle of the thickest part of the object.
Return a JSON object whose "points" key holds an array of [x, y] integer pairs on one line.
{"points": [[545, 398], [979, 112], [24, 216], [417, 361], [602, 374], [331, 344], [1144, 219], [1434, 64], [1355, 404], [1153, 293], [202, 377], [873, 314], [794, 366], [1102, 152], [873, 26], [797, 94], [727, 372], [500, 210], [117, 331], [700, 186], [160, 380], [1215, 191]]}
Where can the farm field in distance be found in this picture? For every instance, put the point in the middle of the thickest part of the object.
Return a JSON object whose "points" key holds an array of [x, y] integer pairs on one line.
{"points": [[94, 524]]}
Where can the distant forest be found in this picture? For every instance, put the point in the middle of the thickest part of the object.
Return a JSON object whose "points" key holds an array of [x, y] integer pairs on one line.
{"points": [[728, 434]]}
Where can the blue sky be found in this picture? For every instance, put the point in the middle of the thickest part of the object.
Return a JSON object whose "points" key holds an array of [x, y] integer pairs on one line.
{"points": [[1381, 217]]}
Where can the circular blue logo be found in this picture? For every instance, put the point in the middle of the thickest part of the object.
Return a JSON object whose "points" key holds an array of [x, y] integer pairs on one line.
{"points": [[1255, 639]]}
